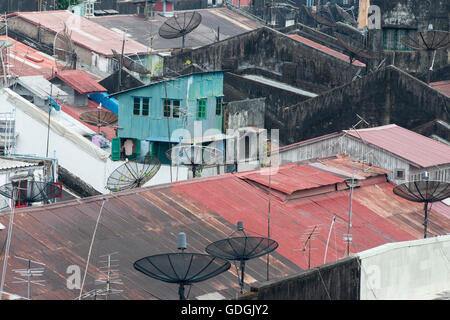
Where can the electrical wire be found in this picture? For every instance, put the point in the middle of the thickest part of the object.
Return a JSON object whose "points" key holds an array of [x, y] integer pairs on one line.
{"points": [[90, 248]]}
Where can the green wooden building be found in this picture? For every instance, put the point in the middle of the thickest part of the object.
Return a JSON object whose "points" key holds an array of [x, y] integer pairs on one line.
{"points": [[149, 115]]}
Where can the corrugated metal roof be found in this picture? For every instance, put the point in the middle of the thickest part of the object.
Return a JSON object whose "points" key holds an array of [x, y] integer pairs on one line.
{"points": [[135, 224], [326, 50], [80, 81], [230, 24], [442, 86], [397, 140], [6, 164], [41, 87], [146, 221], [84, 32], [26, 61]]}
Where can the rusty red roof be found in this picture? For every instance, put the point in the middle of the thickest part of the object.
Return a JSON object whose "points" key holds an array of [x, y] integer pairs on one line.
{"points": [[26, 61], [79, 80], [398, 141], [442, 86], [326, 50], [145, 221], [85, 33]]}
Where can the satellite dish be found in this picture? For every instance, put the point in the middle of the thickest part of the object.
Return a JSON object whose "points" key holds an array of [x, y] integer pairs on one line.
{"points": [[322, 15], [195, 156], [133, 174], [424, 191], [429, 40], [30, 191], [63, 48], [180, 25], [183, 268], [241, 249], [130, 64], [345, 15], [354, 48], [99, 118]]}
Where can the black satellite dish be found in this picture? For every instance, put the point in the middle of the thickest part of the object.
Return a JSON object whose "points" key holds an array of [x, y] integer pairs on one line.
{"points": [[430, 40], [133, 174], [322, 15], [180, 25], [184, 268], [241, 249], [355, 49], [424, 191], [30, 191]]}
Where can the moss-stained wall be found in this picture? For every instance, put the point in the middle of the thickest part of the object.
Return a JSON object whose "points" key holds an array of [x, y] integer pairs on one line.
{"points": [[387, 96], [266, 49], [339, 280]]}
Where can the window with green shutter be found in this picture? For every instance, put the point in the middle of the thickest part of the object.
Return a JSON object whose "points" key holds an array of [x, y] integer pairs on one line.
{"points": [[392, 39], [171, 108], [137, 106], [141, 106], [201, 109], [219, 105], [166, 108], [176, 108]]}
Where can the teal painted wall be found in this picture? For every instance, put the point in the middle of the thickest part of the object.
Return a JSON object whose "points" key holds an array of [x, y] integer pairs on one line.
{"points": [[187, 89]]}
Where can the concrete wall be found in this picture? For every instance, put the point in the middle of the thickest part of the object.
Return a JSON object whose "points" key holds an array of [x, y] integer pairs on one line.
{"points": [[245, 113], [384, 97], [418, 269], [294, 62], [333, 281]]}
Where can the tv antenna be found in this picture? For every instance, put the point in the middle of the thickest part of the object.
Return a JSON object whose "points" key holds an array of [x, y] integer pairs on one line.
{"points": [[99, 118], [130, 64], [133, 174], [307, 237], [64, 49], [180, 25], [241, 249], [28, 274], [424, 191], [194, 155], [430, 41], [109, 276], [183, 268]]}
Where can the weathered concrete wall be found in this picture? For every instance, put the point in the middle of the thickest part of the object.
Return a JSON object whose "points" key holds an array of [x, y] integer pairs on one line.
{"points": [[333, 281], [417, 15], [409, 270], [245, 113], [387, 96], [74, 183], [276, 99], [10, 6], [266, 49]]}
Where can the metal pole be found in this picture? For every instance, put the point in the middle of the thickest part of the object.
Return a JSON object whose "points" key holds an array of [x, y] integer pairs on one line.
{"points": [[8, 242], [309, 254], [268, 215], [181, 292], [29, 278], [48, 128], [242, 276], [425, 222]]}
